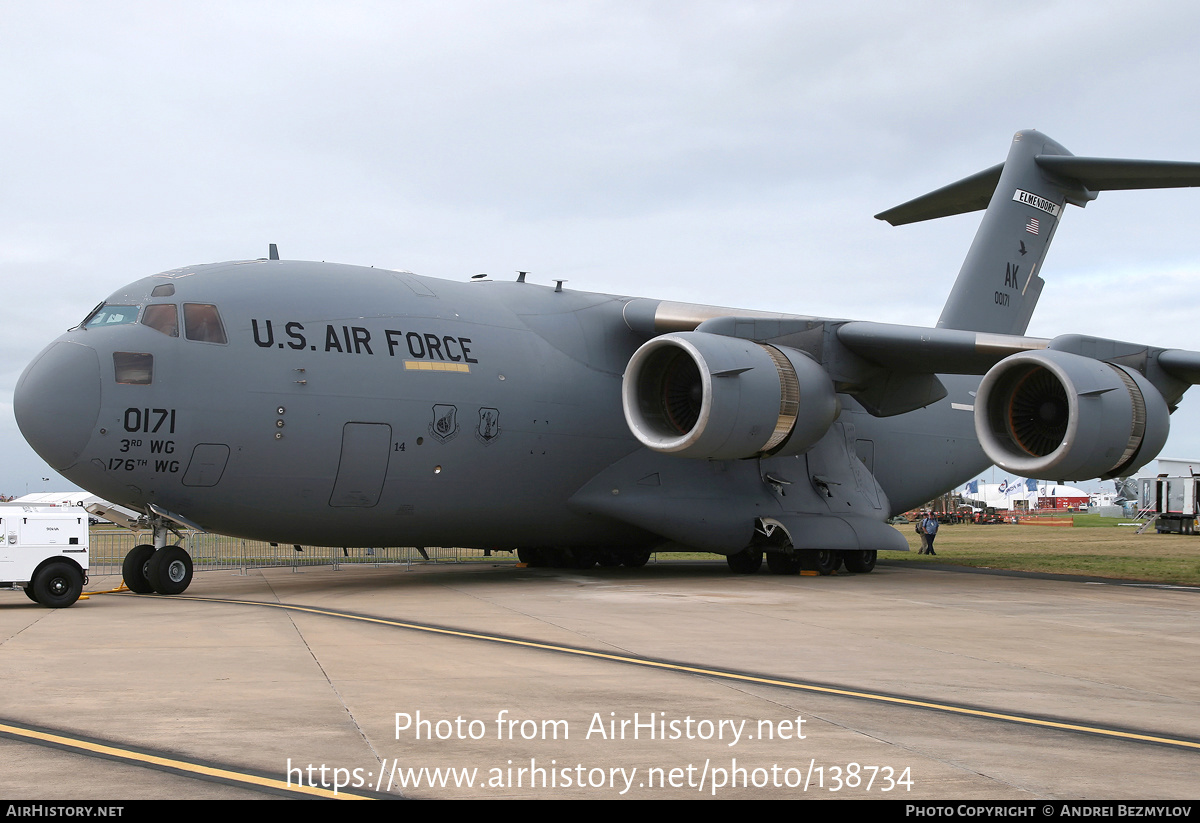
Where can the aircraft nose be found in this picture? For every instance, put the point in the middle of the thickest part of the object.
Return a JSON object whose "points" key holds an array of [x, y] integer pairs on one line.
{"points": [[57, 401]]}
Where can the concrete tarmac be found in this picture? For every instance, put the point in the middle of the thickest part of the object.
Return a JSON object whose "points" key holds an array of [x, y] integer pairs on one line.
{"points": [[271, 692]]}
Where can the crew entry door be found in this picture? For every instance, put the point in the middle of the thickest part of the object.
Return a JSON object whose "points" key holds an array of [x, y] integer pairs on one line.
{"points": [[363, 464]]}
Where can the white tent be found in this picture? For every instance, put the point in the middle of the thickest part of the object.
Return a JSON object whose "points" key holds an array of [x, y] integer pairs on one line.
{"points": [[1020, 493]]}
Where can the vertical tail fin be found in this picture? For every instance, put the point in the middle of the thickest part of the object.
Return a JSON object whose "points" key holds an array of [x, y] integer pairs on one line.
{"points": [[999, 283]]}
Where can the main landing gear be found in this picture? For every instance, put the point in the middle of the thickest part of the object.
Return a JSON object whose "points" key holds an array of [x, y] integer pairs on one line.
{"points": [[747, 561], [820, 561], [583, 558]]}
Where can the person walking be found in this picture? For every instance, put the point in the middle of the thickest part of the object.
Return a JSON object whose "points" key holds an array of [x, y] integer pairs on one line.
{"points": [[929, 526]]}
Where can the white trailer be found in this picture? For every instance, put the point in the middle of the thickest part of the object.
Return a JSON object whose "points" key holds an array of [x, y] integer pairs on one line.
{"points": [[1175, 500], [44, 550]]}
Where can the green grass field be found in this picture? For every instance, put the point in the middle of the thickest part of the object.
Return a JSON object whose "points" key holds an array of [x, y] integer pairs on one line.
{"points": [[1095, 546]]}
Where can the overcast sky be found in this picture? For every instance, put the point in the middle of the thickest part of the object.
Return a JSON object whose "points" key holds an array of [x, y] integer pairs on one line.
{"points": [[728, 153]]}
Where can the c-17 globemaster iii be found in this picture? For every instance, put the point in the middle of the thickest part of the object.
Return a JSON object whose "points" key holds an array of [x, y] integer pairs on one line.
{"points": [[323, 404]]}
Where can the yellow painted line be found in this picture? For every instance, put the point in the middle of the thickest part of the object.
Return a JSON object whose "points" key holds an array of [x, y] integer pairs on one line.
{"points": [[129, 755], [724, 675], [433, 365]]}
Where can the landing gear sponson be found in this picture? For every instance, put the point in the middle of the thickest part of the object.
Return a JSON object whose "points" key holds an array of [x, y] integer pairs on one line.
{"points": [[772, 538]]}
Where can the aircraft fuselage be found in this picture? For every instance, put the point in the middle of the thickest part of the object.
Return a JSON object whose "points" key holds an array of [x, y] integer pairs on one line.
{"points": [[258, 399]]}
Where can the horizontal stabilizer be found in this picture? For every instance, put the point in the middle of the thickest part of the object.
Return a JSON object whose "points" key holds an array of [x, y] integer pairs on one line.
{"points": [[1093, 173], [1106, 174], [969, 194]]}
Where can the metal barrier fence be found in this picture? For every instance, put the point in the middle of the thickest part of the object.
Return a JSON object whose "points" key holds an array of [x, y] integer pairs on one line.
{"points": [[215, 551]]}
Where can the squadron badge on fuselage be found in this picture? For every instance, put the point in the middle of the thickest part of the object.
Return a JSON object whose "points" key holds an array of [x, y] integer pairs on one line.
{"points": [[489, 426], [444, 425]]}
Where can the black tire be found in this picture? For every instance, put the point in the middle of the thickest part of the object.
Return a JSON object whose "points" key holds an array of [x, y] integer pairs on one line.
{"points": [[534, 558], [29, 593], [860, 562], [822, 561], [581, 558], [133, 570], [635, 558], [780, 563], [57, 584], [608, 558], [560, 558], [169, 570], [747, 561]]}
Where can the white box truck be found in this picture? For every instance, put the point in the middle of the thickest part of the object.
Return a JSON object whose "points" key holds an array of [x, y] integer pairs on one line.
{"points": [[44, 550]]}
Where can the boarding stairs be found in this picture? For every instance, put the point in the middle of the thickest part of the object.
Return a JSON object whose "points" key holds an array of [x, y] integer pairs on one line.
{"points": [[1150, 516]]}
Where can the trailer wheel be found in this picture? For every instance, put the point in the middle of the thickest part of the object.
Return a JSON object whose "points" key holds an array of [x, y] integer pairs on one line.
{"points": [[29, 592], [133, 570], [169, 570], [58, 584]]}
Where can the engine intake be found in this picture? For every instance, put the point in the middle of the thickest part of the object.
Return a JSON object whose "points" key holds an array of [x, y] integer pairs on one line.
{"points": [[695, 394], [1053, 415]]}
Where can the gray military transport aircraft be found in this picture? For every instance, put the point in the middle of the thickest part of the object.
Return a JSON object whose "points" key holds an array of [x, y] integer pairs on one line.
{"points": [[324, 404]]}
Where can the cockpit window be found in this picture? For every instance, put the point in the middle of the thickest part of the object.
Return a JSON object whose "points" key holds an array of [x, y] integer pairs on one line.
{"points": [[109, 315], [163, 290], [202, 322], [163, 318], [133, 367]]}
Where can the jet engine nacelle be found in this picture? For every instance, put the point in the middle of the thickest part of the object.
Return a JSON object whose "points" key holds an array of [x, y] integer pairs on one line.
{"points": [[1053, 415], [695, 394]]}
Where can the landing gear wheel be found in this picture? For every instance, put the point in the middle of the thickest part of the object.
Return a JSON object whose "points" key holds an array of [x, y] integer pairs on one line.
{"points": [[635, 558], [57, 585], [169, 570], [534, 558], [780, 563], [860, 562], [133, 570], [747, 561], [608, 558], [823, 561], [579, 558]]}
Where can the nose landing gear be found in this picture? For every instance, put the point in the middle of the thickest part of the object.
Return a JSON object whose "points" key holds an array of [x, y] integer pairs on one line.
{"points": [[158, 568], [163, 571]]}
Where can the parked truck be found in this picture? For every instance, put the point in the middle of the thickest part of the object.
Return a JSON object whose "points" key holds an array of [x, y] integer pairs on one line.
{"points": [[1175, 500], [44, 551]]}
